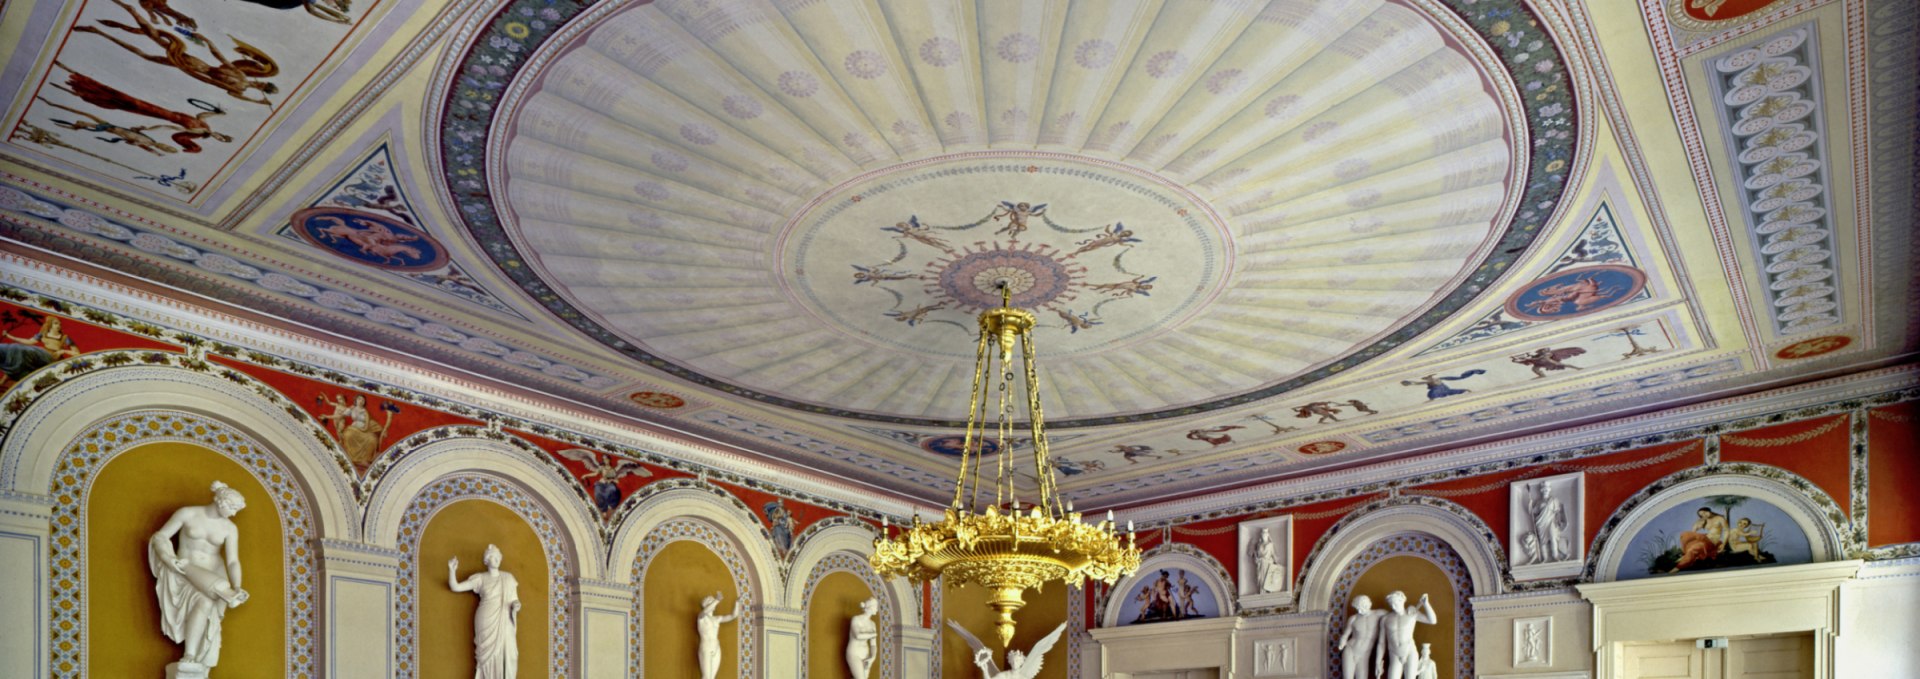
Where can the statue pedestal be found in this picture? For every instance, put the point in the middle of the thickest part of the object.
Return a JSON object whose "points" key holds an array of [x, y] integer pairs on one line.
{"points": [[187, 670]]}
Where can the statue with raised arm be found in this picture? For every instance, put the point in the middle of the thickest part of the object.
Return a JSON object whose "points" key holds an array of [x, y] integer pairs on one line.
{"points": [[1019, 665], [709, 626], [496, 646], [861, 644], [1403, 656], [198, 578], [1270, 574], [1357, 641]]}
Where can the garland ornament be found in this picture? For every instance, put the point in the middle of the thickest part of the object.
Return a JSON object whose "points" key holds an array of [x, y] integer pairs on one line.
{"points": [[1002, 545]]}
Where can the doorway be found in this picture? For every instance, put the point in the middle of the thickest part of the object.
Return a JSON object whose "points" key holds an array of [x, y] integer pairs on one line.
{"points": [[1772, 656]]}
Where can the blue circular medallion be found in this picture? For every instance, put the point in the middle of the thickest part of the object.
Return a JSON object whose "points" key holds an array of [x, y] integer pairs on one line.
{"points": [[370, 238]]}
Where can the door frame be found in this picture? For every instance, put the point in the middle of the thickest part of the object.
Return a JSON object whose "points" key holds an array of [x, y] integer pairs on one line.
{"points": [[1758, 601]]}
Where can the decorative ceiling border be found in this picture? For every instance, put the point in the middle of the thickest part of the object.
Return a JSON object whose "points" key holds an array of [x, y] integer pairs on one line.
{"points": [[263, 279], [496, 52]]}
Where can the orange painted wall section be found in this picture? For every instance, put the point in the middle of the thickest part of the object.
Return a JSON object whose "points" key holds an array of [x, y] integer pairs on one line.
{"points": [[1893, 469], [1815, 449], [1413, 576], [132, 497], [463, 529]]}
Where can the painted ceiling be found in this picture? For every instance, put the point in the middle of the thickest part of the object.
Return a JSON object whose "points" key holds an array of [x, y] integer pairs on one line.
{"points": [[1265, 239]]}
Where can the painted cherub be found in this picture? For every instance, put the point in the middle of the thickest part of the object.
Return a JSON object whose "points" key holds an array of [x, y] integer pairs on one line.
{"points": [[1016, 215], [1745, 538]]}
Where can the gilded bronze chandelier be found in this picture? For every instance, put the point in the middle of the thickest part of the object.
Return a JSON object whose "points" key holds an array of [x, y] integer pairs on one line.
{"points": [[1003, 545]]}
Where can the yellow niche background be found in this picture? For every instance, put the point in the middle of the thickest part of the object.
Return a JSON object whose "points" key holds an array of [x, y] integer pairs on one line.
{"points": [[1414, 576], [835, 601], [968, 605], [132, 497], [683, 573], [464, 529]]}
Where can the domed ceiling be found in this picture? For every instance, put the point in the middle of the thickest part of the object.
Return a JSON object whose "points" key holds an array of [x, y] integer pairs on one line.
{"points": [[805, 203], [1267, 240]]}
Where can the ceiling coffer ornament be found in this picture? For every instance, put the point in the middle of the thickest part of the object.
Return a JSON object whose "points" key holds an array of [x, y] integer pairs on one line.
{"points": [[976, 541]]}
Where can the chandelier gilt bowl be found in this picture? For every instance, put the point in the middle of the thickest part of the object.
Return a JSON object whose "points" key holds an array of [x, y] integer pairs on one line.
{"points": [[995, 541]]}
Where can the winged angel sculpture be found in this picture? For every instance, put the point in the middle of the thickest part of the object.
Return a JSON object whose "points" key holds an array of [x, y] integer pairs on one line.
{"points": [[1019, 665]]}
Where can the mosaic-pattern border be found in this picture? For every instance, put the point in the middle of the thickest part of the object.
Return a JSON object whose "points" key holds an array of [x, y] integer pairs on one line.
{"points": [[713, 539], [73, 478], [495, 54], [413, 524]]}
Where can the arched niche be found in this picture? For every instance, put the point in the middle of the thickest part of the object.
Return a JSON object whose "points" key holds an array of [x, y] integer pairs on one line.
{"points": [[1452, 524], [1809, 509], [1413, 564], [55, 416], [833, 594], [853, 537], [154, 462], [1208, 570], [463, 529], [699, 518], [418, 575], [558, 493]]}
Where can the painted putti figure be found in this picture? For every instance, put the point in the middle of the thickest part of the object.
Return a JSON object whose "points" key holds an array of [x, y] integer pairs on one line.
{"points": [[198, 578], [496, 647]]}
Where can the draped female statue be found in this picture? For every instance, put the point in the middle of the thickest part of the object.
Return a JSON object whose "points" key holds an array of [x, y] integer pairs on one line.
{"points": [[496, 648], [198, 578]]}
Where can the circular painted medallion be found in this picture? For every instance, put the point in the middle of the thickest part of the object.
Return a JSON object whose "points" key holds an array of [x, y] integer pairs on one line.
{"points": [[1576, 292], [369, 238], [952, 445], [655, 399], [1322, 447], [1818, 346]]}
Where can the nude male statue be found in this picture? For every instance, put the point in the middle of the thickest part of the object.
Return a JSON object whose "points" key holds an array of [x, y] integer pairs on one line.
{"points": [[1357, 641], [1403, 655]]}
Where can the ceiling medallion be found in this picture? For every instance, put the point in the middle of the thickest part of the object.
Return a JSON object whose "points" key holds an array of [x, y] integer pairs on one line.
{"points": [[975, 541]]}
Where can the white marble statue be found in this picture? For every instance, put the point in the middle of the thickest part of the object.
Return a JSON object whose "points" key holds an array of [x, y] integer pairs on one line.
{"points": [[496, 645], [198, 578], [1428, 668], [1396, 630], [1357, 641], [1549, 525], [1019, 665], [1271, 574], [861, 644], [709, 626]]}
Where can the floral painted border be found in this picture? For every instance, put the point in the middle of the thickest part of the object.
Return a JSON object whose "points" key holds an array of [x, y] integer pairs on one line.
{"points": [[73, 477], [494, 56]]}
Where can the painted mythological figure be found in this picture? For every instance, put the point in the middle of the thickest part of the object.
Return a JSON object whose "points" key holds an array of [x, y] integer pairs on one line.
{"points": [[1436, 384], [496, 646], [192, 128], [604, 473], [1016, 215], [1547, 358], [233, 76], [34, 352], [198, 578], [354, 428]]}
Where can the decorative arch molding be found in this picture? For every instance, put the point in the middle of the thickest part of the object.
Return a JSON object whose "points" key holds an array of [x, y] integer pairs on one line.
{"points": [[1172, 555], [1423, 546], [842, 534], [43, 416], [447, 490], [1468, 536], [1824, 521], [722, 543], [664, 501], [79, 460], [845, 561], [394, 495]]}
